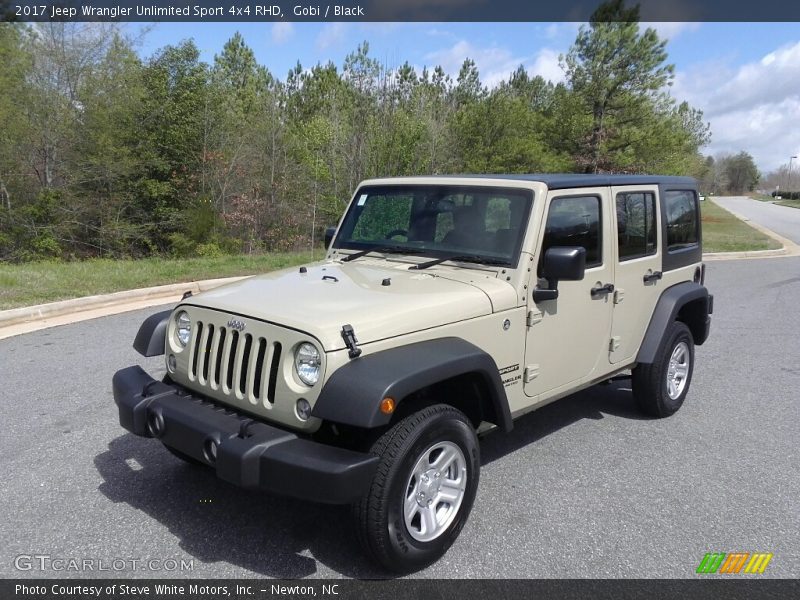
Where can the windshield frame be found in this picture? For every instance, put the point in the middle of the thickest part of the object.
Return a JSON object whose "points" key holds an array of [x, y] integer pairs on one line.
{"points": [[442, 190]]}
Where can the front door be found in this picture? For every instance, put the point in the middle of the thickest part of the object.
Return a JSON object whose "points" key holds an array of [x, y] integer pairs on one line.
{"points": [[568, 337], [637, 254]]}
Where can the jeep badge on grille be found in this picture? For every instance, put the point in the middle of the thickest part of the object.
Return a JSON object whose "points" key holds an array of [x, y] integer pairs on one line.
{"points": [[237, 325]]}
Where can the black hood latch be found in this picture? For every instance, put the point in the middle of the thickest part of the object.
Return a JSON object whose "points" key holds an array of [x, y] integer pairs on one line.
{"points": [[349, 337]]}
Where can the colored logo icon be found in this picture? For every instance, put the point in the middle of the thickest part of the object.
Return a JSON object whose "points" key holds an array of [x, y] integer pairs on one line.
{"points": [[735, 562]]}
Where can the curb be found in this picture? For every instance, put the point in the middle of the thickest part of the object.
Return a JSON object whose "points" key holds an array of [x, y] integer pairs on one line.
{"points": [[776, 252], [152, 295]]}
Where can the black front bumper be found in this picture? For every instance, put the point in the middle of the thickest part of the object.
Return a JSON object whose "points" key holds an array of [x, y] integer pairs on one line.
{"points": [[245, 452]]}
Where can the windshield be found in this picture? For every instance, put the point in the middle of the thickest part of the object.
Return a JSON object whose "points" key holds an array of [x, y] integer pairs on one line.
{"points": [[438, 220]]}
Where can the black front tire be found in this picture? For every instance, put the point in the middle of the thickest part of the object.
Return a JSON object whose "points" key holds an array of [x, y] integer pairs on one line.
{"points": [[379, 517], [651, 382]]}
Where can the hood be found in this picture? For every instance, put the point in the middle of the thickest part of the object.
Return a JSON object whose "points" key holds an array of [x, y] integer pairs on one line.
{"points": [[330, 295]]}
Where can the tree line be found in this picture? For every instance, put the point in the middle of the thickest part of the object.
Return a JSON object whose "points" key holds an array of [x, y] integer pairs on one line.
{"points": [[106, 153]]}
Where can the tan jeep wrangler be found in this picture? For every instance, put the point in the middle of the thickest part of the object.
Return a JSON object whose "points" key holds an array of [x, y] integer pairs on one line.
{"points": [[446, 306]]}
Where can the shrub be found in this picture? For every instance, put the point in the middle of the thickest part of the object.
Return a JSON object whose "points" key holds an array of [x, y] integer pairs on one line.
{"points": [[181, 246], [209, 250]]}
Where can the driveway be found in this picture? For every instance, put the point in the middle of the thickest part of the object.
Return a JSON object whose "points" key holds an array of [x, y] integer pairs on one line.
{"points": [[780, 219]]}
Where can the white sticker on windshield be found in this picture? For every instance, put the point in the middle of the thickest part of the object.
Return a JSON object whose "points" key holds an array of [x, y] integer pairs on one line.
{"points": [[362, 199]]}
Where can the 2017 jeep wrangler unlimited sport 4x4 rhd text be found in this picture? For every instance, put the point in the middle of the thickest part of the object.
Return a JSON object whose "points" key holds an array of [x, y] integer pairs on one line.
{"points": [[446, 306]]}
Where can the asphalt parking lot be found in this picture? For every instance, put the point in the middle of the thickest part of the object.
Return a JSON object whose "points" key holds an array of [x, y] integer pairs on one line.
{"points": [[582, 488]]}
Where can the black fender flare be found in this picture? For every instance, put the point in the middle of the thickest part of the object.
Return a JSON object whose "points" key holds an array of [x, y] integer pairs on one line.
{"points": [[666, 311], [353, 394], [152, 335]]}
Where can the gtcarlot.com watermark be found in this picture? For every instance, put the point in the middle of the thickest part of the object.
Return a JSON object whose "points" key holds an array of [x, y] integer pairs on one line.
{"points": [[46, 562]]}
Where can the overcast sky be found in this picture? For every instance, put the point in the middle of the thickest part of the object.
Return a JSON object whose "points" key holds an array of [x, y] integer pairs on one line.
{"points": [[745, 77]]}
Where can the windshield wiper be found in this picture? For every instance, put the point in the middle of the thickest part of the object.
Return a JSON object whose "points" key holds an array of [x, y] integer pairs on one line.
{"points": [[473, 258], [384, 249]]}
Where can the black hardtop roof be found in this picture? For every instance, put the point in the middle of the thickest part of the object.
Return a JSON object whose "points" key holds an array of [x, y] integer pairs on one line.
{"points": [[556, 181]]}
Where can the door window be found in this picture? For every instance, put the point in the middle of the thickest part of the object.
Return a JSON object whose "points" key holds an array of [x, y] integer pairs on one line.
{"points": [[574, 221], [636, 224]]}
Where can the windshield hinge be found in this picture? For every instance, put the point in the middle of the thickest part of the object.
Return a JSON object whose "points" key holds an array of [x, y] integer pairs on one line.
{"points": [[349, 337], [534, 317]]}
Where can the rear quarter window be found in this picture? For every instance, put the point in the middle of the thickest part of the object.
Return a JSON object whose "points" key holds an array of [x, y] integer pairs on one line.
{"points": [[682, 219]]}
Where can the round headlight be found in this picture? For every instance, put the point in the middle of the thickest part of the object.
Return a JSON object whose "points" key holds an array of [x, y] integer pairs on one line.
{"points": [[307, 363], [183, 328]]}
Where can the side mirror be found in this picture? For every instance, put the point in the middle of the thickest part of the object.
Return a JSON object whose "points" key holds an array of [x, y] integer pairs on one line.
{"points": [[561, 263], [329, 233]]}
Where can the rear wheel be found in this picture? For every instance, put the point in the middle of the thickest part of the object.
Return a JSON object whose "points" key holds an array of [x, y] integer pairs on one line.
{"points": [[423, 489], [661, 387]]}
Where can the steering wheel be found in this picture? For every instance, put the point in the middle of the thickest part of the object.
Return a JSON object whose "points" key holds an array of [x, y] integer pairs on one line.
{"points": [[395, 232]]}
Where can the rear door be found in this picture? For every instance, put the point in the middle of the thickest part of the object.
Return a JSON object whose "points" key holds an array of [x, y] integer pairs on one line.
{"points": [[637, 262], [568, 337]]}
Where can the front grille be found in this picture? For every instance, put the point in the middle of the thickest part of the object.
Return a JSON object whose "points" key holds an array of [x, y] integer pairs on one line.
{"points": [[236, 364]]}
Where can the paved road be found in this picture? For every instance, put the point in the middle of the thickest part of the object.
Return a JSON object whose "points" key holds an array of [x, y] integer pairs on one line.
{"points": [[582, 488], [784, 220]]}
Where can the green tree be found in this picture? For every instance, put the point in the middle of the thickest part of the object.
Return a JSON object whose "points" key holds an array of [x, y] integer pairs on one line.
{"points": [[615, 69], [16, 62], [468, 88], [236, 104], [500, 134], [432, 106], [170, 125], [536, 91], [741, 173], [105, 161]]}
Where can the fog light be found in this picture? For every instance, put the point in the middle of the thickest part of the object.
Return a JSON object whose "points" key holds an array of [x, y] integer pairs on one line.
{"points": [[155, 424], [303, 409], [172, 363], [210, 450]]}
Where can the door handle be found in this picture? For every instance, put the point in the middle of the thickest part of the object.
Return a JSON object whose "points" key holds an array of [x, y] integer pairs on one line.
{"points": [[601, 290], [655, 276]]}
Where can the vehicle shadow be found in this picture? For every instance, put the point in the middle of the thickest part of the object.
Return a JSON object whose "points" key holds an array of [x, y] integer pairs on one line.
{"points": [[614, 398], [216, 521], [272, 536]]}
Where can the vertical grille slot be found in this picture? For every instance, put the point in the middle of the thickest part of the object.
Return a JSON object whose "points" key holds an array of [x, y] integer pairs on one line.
{"points": [[273, 371], [241, 366], [230, 360], [195, 349], [217, 354], [205, 349], [258, 368]]}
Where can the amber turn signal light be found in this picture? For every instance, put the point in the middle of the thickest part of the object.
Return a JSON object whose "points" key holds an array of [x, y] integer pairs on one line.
{"points": [[387, 406]]}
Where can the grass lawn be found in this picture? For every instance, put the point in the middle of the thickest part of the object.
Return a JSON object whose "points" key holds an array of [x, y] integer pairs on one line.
{"points": [[761, 197], [764, 198], [789, 203], [722, 232], [40, 282]]}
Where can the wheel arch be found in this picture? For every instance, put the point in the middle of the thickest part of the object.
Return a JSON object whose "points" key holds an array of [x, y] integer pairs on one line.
{"points": [[152, 335], [687, 302], [413, 376]]}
